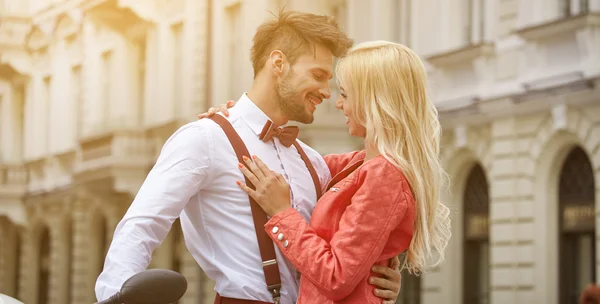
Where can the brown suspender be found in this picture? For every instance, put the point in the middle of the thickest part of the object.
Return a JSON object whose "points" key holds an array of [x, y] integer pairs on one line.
{"points": [[267, 249]]}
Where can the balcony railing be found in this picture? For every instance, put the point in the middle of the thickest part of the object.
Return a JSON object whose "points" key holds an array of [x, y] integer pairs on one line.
{"points": [[12, 177]]}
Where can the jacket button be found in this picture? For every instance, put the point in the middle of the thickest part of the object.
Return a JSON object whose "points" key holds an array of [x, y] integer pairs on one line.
{"points": [[280, 237], [285, 243], [275, 229]]}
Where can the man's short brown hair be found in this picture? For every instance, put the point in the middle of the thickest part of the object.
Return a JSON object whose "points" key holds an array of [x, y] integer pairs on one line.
{"points": [[295, 34]]}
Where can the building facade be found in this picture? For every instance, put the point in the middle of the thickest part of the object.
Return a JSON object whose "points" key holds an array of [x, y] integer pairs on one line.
{"points": [[90, 90]]}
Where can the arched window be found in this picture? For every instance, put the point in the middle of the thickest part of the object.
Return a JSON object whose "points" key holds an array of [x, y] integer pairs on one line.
{"points": [[577, 254], [44, 266], [476, 248], [178, 247], [410, 291]]}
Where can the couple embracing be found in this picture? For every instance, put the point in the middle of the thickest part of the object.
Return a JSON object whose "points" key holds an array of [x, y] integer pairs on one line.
{"points": [[267, 217]]}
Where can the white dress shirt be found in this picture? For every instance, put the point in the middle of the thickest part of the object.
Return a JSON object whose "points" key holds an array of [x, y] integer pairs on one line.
{"points": [[195, 178]]}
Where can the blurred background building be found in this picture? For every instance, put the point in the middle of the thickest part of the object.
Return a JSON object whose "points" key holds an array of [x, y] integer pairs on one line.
{"points": [[91, 89]]}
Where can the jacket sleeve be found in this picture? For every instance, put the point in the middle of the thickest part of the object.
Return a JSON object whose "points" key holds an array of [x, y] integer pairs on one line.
{"points": [[337, 162], [337, 267]]}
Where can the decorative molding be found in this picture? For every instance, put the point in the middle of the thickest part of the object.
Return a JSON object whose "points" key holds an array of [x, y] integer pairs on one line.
{"points": [[560, 26], [145, 9], [467, 53], [559, 117], [68, 23], [460, 136], [38, 38], [544, 83]]}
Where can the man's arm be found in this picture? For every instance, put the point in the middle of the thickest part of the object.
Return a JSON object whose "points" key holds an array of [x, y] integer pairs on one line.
{"points": [[180, 171]]}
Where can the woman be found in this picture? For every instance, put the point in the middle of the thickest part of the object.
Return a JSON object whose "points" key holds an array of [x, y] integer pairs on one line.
{"points": [[383, 200]]}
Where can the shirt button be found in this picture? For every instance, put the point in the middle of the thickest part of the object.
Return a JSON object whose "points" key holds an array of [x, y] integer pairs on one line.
{"points": [[280, 237], [275, 229]]}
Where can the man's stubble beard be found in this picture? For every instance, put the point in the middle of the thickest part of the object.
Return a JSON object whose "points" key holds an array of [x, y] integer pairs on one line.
{"points": [[290, 101]]}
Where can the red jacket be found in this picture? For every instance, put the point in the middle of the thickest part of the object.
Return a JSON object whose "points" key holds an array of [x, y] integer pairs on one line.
{"points": [[366, 217]]}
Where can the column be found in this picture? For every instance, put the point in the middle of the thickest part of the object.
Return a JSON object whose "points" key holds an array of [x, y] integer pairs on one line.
{"points": [[60, 256], [28, 282], [82, 272], [383, 18], [197, 41], [505, 223]]}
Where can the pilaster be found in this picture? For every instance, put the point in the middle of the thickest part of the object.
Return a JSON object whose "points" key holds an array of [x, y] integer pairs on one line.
{"points": [[198, 37], [60, 245], [507, 274], [83, 271], [29, 275]]}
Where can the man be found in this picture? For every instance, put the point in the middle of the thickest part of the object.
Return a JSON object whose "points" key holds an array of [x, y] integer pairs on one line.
{"points": [[195, 175]]}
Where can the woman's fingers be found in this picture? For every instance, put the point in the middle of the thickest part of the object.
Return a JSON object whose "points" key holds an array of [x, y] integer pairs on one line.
{"points": [[251, 177], [255, 170], [224, 110], [247, 189], [263, 168]]}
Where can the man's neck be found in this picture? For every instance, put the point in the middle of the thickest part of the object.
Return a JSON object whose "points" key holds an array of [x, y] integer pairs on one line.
{"points": [[265, 98]]}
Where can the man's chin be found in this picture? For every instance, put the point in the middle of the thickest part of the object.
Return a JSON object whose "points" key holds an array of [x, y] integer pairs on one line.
{"points": [[305, 119]]}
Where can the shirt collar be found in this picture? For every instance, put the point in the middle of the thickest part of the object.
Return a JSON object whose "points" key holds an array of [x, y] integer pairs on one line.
{"points": [[251, 114]]}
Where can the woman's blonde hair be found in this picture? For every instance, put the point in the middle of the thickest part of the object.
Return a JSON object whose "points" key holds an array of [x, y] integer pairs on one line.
{"points": [[387, 83]]}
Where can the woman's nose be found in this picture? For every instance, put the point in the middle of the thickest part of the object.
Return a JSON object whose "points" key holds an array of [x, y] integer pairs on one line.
{"points": [[338, 103]]}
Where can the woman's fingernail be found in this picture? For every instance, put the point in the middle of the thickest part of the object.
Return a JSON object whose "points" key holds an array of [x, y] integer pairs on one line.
{"points": [[253, 156], [240, 165], [244, 157], [238, 182]]}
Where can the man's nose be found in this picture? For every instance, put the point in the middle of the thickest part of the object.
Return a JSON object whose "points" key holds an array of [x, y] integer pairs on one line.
{"points": [[325, 92]]}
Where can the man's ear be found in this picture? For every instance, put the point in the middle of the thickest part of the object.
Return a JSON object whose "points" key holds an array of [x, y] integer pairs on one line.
{"points": [[278, 60]]}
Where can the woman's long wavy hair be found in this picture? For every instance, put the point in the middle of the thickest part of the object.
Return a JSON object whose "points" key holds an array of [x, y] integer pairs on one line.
{"points": [[388, 85]]}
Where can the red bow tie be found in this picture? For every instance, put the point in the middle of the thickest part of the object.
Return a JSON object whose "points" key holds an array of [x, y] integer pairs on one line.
{"points": [[287, 136]]}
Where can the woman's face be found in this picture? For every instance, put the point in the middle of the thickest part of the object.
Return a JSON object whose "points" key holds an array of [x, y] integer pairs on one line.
{"points": [[346, 104]]}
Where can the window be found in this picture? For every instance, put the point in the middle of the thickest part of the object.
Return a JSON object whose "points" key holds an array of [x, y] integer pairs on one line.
{"points": [[474, 21], [178, 248], [402, 21], [2, 119], [574, 7], [476, 248], [47, 127], [106, 73], [340, 12], [142, 81], [577, 250], [234, 40], [44, 267], [19, 116], [76, 101], [410, 292], [177, 31]]}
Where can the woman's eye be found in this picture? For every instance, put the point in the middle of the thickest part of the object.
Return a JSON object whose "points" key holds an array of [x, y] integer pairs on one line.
{"points": [[343, 95]]}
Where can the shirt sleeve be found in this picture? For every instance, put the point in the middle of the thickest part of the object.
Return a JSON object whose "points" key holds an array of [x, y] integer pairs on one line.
{"points": [[336, 267], [181, 170]]}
